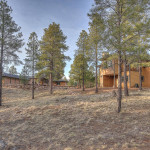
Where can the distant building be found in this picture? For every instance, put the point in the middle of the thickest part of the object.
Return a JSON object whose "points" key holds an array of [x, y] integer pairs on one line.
{"points": [[61, 82], [10, 79]]}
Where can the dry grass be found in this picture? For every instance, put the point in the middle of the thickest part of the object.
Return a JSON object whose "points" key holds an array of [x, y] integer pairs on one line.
{"points": [[74, 122]]}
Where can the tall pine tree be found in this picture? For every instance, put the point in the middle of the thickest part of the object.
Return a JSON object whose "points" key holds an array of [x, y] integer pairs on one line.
{"points": [[52, 46], [95, 43], [32, 52], [83, 48], [10, 39], [76, 72]]}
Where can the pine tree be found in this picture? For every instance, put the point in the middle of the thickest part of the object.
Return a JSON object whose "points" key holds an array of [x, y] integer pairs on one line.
{"points": [[12, 70], [83, 48], [59, 69], [32, 56], [76, 72], [95, 43], [24, 75], [52, 46], [10, 39]]}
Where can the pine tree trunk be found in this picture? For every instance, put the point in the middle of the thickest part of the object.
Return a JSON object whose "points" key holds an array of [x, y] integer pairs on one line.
{"points": [[33, 88], [129, 76], [114, 76], [50, 84], [99, 78], [1, 83], [140, 76], [83, 89], [125, 79], [1, 73], [96, 90], [119, 98], [51, 78], [33, 76], [1, 61], [83, 75], [79, 84]]}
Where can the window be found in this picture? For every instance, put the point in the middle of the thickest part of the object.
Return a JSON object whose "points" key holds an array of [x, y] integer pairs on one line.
{"points": [[127, 78], [123, 79], [58, 83], [142, 78], [109, 63], [105, 65]]}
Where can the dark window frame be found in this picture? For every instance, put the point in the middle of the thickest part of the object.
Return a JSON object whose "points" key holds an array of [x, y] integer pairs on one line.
{"points": [[142, 78], [122, 78]]}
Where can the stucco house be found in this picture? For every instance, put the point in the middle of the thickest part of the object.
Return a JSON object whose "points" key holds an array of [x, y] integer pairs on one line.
{"points": [[109, 75]]}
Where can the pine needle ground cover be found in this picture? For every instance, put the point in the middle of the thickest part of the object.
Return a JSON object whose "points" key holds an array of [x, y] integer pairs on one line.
{"points": [[74, 122]]}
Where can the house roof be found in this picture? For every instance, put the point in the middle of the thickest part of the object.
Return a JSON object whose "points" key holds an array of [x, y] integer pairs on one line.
{"points": [[10, 75]]}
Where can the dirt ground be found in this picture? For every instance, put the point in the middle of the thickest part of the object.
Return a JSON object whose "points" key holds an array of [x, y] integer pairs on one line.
{"points": [[73, 120]]}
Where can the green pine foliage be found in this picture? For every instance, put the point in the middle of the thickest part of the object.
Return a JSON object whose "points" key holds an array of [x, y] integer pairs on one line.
{"points": [[83, 51], [32, 52], [76, 72], [13, 70], [95, 44], [10, 40], [24, 75], [52, 58]]}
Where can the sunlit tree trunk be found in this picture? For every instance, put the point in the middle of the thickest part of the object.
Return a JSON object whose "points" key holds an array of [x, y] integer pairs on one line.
{"points": [[119, 98], [125, 79], [129, 76], [140, 77], [1, 61], [96, 90], [114, 76]]}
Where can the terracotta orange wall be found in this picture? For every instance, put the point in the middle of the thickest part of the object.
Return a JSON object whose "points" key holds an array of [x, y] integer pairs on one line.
{"points": [[110, 70], [134, 75], [122, 84], [134, 78], [108, 81], [146, 74], [116, 81], [101, 81], [7, 80], [61, 83]]}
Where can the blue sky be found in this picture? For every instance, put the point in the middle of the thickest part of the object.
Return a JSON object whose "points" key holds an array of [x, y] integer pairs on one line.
{"points": [[35, 15]]}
